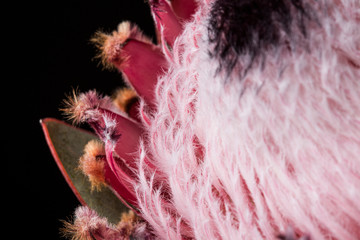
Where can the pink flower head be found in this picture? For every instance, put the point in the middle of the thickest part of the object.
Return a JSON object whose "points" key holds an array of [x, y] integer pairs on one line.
{"points": [[246, 124]]}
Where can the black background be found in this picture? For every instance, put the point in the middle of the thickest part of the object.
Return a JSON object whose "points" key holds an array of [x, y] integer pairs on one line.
{"points": [[51, 55]]}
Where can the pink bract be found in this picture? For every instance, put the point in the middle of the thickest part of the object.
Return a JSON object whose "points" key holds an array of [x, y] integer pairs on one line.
{"points": [[274, 154]]}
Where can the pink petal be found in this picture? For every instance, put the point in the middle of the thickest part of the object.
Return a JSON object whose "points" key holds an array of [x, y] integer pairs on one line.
{"points": [[121, 131], [184, 9], [165, 18], [144, 64], [134, 111], [140, 61], [120, 181], [120, 135]]}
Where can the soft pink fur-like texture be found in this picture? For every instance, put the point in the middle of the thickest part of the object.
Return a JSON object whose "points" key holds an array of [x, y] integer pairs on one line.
{"points": [[248, 158], [273, 153]]}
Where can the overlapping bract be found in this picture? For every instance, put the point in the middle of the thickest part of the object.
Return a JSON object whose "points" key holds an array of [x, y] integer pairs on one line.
{"points": [[119, 122], [204, 154]]}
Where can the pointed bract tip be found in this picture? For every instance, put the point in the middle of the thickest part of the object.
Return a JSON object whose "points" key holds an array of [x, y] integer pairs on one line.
{"points": [[92, 164], [80, 107], [165, 18], [110, 45], [89, 225]]}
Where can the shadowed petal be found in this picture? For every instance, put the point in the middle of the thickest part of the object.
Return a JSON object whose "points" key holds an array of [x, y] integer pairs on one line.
{"points": [[184, 9], [165, 18]]}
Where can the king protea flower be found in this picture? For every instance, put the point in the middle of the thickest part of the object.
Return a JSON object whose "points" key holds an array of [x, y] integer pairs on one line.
{"points": [[241, 122]]}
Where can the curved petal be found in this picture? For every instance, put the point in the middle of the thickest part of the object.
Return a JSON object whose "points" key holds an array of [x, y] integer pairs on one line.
{"points": [[165, 18]]}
